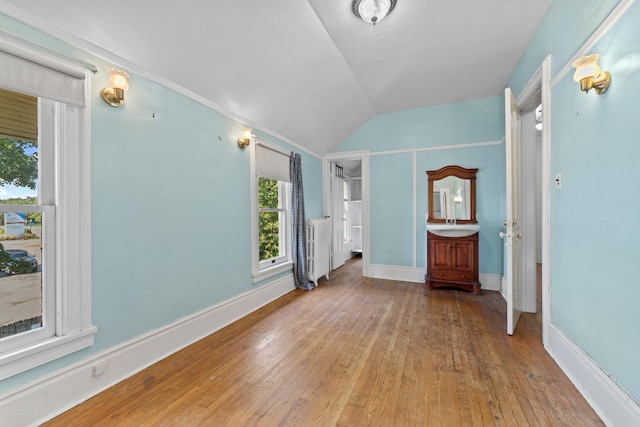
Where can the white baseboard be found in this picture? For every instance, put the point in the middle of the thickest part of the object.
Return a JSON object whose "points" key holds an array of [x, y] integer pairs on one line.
{"points": [[52, 394], [392, 272], [611, 402], [490, 282]]}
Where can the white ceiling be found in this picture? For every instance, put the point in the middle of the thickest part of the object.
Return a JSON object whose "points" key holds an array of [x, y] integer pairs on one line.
{"points": [[309, 72]]}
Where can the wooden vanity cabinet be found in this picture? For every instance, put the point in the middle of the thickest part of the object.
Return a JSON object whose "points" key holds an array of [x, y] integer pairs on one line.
{"points": [[453, 262]]}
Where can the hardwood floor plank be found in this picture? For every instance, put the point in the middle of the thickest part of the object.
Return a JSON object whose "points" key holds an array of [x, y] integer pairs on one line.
{"points": [[353, 352]]}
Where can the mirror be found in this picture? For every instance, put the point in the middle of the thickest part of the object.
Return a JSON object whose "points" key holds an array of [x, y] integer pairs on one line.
{"points": [[452, 195]]}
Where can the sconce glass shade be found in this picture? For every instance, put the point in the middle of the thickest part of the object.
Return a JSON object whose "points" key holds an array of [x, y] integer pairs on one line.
{"points": [[589, 76], [245, 138], [118, 79], [372, 11], [113, 94], [587, 66]]}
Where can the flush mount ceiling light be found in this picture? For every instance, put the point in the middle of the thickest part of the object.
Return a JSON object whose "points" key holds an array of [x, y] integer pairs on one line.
{"points": [[372, 11]]}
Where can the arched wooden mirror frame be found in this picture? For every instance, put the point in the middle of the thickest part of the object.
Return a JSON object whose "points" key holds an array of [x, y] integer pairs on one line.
{"points": [[459, 172]]}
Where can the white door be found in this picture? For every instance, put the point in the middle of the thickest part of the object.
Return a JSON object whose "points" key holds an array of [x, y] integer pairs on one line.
{"points": [[338, 220], [513, 226]]}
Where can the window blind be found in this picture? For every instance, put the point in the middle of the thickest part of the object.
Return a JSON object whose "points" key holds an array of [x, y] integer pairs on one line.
{"points": [[26, 70], [272, 163]]}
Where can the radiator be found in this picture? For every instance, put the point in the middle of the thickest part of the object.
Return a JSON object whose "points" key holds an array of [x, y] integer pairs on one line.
{"points": [[318, 243]]}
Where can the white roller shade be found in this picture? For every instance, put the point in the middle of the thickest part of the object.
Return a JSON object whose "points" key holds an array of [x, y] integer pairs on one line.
{"points": [[272, 163], [26, 70]]}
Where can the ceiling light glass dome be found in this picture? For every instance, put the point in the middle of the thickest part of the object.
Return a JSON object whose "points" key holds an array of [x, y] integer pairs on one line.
{"points": [[372, 11]]}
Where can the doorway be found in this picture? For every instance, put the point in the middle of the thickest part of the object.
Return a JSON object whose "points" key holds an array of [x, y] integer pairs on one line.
{"points": [[534, 104], [345, 202], [346, 212]]}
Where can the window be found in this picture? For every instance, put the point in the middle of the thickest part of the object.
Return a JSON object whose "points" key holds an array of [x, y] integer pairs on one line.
{"points": [[271, 229], [273, 215], [45, 312], [26, 213]]}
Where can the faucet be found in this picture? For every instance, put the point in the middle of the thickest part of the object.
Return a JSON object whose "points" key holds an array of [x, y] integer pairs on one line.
{"points": [[445, 207]]}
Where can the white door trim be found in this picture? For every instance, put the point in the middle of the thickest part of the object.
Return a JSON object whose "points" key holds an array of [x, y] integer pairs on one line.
{"points": [[546, 198], [542, 79]]}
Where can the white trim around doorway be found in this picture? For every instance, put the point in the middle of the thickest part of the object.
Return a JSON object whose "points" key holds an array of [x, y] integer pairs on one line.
{"points": [[363, 156]]}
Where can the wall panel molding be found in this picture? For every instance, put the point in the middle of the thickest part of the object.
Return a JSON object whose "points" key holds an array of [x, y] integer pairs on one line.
{"points": [[439, 147]]}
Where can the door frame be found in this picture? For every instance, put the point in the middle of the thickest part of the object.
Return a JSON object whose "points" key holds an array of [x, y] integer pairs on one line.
{"points": [[541, 80], [363, 156]]}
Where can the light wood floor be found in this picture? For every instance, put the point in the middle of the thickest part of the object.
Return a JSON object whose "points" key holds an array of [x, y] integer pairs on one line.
{"points": [[353, 352]]}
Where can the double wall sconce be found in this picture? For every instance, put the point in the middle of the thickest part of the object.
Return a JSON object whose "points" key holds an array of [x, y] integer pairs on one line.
{"points": [[114, 93], [589, 76], [245, 138]]}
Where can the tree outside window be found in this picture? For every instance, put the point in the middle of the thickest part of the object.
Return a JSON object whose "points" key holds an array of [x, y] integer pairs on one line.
{"points": [[270, 210]]}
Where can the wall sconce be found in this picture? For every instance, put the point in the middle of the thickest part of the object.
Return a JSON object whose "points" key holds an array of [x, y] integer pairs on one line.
{"points": [[114, 93], [589, 76], [245, 138]]}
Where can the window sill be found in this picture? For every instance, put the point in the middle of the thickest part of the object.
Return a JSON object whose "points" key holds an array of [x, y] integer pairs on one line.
{"points": [[271, 271], [29, 357]]}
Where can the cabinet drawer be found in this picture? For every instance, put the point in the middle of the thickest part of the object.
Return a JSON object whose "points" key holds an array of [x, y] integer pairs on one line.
{"points": [[458, 276]]}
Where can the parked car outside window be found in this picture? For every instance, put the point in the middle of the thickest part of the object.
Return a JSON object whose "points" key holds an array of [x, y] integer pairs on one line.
{"points": [[21, 254]]}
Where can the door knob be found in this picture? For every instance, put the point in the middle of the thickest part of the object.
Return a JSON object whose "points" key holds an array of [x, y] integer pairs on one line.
{"points": [[503, 235], [519, 235]]}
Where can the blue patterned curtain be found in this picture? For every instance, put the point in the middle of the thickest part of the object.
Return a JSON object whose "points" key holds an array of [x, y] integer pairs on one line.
{"points": [[299, 226]]}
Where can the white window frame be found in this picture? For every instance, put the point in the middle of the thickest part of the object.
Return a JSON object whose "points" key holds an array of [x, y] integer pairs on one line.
{"points": [[265, 269], [67, 270]]}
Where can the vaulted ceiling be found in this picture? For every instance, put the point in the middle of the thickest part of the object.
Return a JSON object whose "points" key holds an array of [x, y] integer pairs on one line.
{"points": [[307, 71]]}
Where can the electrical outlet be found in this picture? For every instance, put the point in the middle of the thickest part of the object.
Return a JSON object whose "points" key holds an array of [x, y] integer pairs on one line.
{"points": [[558, 181], [100, 368]]}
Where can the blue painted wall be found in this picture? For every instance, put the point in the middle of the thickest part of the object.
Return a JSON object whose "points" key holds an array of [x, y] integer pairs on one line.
{"points": [[594, 144], [170, 208], [391, 212], [436, 136]]}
